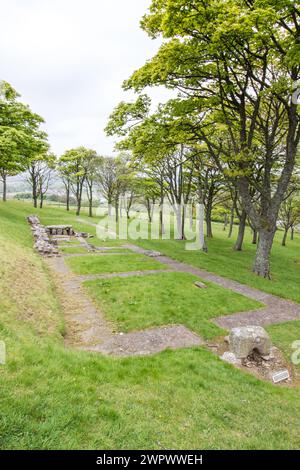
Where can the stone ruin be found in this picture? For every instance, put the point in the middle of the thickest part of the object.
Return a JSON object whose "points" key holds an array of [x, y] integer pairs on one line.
{"points": [[46, 238], [42, 243], [251, 347], [243, 341]]}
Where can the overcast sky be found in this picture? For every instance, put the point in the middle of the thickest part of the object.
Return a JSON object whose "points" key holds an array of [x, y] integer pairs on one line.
{"points": [[68, 59]]}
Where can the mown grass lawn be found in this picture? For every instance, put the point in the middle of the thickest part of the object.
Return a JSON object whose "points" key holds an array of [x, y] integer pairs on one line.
{"points": [[136, 303], [58, 398], [115, 263]]}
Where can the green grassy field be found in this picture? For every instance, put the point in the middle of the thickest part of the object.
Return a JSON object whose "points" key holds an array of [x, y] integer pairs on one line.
{"points": [[171, 298], [58, 398], [91, 264]]}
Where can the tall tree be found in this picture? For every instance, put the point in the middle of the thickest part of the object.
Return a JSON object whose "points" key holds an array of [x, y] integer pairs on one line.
{"points": [[235, 63], [76, 163], [20, 135]]}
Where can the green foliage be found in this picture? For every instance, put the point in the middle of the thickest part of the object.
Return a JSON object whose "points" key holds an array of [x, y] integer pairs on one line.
{"points": [[20, 136]]}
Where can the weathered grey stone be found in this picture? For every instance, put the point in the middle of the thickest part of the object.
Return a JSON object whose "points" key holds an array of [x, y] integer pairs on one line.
{"points": [[200, 285], [33, 220], [231, 358], [244, 340]]}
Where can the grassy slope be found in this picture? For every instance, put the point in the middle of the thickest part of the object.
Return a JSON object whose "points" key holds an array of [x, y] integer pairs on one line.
{"points": [[170, 298], [57, 398]]}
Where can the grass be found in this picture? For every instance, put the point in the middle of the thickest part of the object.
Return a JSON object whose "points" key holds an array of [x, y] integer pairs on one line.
{"points": [[58, 398], [73, 250], [91, 264], [285, 261], [171, 298]]}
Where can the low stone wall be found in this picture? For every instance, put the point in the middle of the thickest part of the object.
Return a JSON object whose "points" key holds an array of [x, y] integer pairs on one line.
{"points": [[42, 241]]}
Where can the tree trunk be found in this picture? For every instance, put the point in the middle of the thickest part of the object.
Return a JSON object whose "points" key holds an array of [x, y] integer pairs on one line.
{"points": [[225, 222], [200, 224], [149, 211], [254, 237], [292, 232], [286, 231], [261, 265], [240, 238], [117, 209], [231, 222], [191, 221], [161, 213], [41, 200], [68, 198], [91, 201], [4, 188], [34, 193], [209, 232]]}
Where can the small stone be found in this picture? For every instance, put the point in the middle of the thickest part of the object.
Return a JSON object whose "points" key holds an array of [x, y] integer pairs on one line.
{"points": [[231, 358], [226, 339], [200, 285]]}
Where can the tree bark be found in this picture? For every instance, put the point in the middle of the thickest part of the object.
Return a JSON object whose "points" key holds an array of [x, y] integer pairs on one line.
{"points": [[4, 187], [254, 237], [292, 232], [286, 231], [261, 265], [241, 233], [225, 222], [68, 198], [209, 232], [231, 222]]}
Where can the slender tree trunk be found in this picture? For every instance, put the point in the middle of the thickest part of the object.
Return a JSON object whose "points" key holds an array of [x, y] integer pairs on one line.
{"points": [[4, 180], [161, 212], [241, 233], [292, 232], [149, 212], [231, 222], [225, 222], [261, 265], [286, 231], [79, 197], [90, 190], [191, 221], [109, 203], [68, 197], [117, 209], [209, 232], [34, 193], [254, 236]]}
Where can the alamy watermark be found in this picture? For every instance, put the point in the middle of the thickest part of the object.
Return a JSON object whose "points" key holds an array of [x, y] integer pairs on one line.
{"points": [[2, 353], [296, 92], [296, 354], [166, 221]]}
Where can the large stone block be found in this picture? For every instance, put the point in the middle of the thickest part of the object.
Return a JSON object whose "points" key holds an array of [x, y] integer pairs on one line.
{"points": [[244, 340]]}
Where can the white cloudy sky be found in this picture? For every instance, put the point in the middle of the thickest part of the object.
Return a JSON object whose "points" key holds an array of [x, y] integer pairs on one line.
{"points": [[68, 59]]}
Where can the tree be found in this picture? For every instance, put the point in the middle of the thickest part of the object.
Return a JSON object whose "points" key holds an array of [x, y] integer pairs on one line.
{"points": [[289, 215], [235, 64], [75, 164], [39, 170], [111, 177], [92, 163], [20, 134]]}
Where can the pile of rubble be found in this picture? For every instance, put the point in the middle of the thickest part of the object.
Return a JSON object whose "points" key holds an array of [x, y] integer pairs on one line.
{"points": [[42, 243]]}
